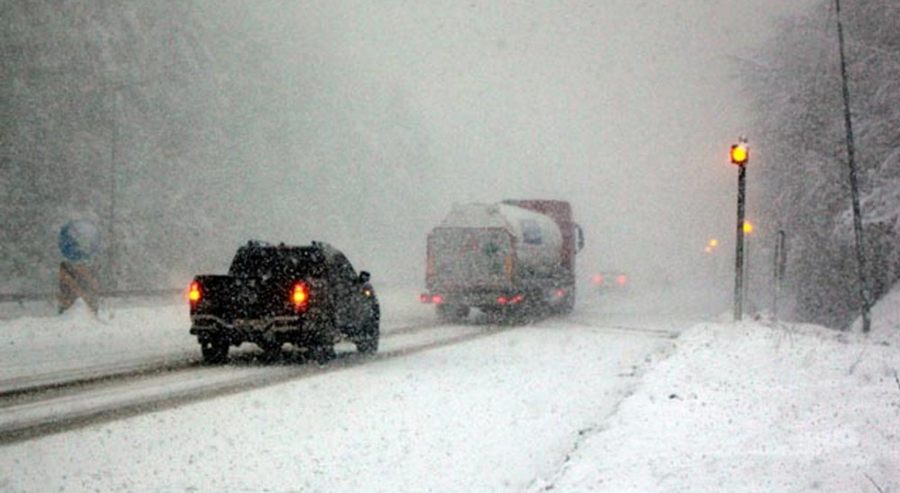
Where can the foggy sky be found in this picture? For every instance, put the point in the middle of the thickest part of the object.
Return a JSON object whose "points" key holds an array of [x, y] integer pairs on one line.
{"points": [[375, 117]]}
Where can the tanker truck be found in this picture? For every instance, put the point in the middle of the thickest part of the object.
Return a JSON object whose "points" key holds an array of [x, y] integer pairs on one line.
{"points": [[506, 259]]}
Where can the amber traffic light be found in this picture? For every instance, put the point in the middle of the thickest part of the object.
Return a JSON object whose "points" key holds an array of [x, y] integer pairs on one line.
{"points": [[740, 153]]}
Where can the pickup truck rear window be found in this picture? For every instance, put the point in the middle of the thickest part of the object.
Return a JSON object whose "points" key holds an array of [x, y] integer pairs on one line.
{"points": [[277, 262]]}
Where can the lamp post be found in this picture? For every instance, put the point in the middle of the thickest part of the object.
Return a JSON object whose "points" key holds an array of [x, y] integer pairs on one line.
{"points": [[740, 154]]}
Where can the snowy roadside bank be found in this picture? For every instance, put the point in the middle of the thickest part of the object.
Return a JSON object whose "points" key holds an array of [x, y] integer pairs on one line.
{"points": [[130, 330], [750, 407]]}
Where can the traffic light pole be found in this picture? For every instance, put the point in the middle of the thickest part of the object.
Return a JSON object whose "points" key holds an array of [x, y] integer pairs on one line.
{"points": [[739, 247]]}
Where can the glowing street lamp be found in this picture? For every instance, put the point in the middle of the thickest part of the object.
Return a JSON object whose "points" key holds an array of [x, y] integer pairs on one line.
{"points": [[740, 156], [740, 153]]}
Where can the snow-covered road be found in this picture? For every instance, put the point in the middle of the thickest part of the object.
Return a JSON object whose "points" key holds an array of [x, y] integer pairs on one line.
{"points": [[103, 393], [604, 400], [486, 414]]}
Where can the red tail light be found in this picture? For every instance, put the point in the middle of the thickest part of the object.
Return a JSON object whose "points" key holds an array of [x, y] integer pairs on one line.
{"points": [[621, 279], [502, 300], [300, 294], [560, 292], [437, 299], [516, 299], [597, 279], [194, 293], [425, 298]]}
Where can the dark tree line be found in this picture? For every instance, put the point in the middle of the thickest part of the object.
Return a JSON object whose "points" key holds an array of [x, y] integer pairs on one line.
{"points": [[107, 108], [185, 128], [802, 177]]}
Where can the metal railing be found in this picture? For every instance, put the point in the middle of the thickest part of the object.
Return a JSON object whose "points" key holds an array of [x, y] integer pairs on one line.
{"points": [[47, 296]]}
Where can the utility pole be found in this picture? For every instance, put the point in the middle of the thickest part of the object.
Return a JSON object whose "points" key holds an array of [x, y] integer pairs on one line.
{"points": [[740, 154], [865, 294], [780, 259], [113, 158]]}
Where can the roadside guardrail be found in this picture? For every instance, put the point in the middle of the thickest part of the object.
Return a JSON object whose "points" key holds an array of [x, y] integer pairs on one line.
{"points": [[23, 297]]}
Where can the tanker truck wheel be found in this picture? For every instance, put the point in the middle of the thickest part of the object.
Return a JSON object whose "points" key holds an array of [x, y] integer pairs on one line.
{"points": [[452, 313], [567, 305]]}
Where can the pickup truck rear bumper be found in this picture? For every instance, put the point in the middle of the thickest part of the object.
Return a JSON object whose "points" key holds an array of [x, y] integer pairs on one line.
{"points": [[283, 329]]}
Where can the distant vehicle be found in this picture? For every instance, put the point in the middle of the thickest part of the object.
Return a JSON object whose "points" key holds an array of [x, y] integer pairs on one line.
{"points": [[611, 282], [308, 296], [503, 258]]}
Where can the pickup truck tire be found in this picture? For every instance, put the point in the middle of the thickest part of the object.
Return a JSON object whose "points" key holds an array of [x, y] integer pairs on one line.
{"points": [[367, 345], [271, 351], [214, 351], [367, 340], [323, 353]]}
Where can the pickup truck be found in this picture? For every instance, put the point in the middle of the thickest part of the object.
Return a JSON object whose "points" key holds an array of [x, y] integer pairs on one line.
{"points": [[308, 296]]}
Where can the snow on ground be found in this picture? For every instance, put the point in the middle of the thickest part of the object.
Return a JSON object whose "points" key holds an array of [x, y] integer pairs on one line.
{"points": [[490, 414], [78, 339], [885, 315], [129, 330], [755, 407]]}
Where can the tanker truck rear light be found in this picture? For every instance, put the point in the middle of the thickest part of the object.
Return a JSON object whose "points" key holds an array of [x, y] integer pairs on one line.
{"points": [[516, 299], [437, 299], [194, 293], [502, 300]]}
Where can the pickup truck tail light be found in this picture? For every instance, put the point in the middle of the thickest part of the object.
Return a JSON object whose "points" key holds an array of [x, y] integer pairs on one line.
{"points": [[300, 295], [194, 292]]}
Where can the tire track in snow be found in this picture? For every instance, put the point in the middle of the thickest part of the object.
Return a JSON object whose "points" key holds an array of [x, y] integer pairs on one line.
{"points": [[106, 402], [662, 333], [61, 380]]}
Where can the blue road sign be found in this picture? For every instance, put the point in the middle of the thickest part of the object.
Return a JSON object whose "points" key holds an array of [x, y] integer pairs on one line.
{"points": [[79, 240]]}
